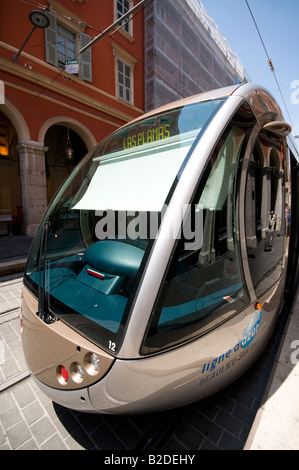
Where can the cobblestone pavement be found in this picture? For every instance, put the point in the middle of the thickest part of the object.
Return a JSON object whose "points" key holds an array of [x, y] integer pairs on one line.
{"points": [[10, 295], [29, 420]]}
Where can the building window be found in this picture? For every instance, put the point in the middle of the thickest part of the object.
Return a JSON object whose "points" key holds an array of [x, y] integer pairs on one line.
{"points": [[122, 7], [63, 44], [124, 73], [124, 81], [66, 45]]}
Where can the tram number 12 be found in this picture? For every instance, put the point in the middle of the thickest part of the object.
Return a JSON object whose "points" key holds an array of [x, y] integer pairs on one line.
{"points": [[112, 346]]}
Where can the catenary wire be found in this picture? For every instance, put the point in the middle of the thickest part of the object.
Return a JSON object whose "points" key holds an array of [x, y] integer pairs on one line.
{"points": [[270, 63]]}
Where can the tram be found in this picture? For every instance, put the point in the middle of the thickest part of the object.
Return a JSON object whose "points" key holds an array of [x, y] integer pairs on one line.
{"points": [[160, 267]]}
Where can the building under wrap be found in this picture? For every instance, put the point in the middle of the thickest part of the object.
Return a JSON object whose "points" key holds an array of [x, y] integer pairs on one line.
{"points": [[185, 53]]}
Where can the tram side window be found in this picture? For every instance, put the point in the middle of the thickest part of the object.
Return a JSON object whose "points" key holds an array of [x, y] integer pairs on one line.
{"points": [[265, 212], [205, 286]]}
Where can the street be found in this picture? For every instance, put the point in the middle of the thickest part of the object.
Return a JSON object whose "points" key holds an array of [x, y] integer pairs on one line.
{"points": [[29, 420]]}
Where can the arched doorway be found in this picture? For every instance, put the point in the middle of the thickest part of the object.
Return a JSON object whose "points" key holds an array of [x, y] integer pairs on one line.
{"points": [[11, 214], [59, 163]]}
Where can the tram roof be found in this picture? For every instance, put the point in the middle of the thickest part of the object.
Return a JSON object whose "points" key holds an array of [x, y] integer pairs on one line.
{"points": [[263, 103], [247, 91]]}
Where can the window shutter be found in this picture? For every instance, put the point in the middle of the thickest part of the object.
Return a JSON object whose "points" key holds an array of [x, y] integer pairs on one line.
{"points": [[51, 40], [85, 58]]}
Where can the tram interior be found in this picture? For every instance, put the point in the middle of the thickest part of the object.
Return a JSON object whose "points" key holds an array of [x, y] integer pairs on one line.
{"points": [[96, 279]]}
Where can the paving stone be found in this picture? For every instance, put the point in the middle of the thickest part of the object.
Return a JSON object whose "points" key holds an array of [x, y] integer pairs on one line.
{"points": [[30, 420], [18, 434], [105, 439], [229, 442], [42, 430], [33, 412], [187, 435], [29, 445], [79, 441], [10, 417], [10, 368], [54, 443], [243, 413], [23, 393], [5, 447], [6, 400], [206, 427], [234, 425], [175, 444], [3, 440]]}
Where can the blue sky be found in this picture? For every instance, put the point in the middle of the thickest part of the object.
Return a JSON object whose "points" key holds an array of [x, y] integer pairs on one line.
{"points": [[278, 23]]}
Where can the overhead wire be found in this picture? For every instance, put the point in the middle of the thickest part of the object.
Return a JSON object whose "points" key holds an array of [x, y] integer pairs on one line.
{"points": [[35, 4], [269, 60], [270, 63], [88, 27], [115, 40]]}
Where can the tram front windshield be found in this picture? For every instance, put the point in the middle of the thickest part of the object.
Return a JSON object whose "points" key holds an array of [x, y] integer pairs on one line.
{"points": [[94, 240]]}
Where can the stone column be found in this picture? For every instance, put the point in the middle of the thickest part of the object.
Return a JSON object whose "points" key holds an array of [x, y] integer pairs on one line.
{"points": [[33, 183], [266, 199], [250, 209], [279, 202]]}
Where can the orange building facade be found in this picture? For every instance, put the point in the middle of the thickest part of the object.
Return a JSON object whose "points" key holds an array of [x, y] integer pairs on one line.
{"points": [[57, 103]]}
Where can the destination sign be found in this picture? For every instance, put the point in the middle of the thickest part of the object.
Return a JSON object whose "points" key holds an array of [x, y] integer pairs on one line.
{"points": [[147, 136]]}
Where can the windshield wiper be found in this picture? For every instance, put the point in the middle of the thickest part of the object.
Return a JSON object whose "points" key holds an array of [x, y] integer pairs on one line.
{"points": [[43, 311]]}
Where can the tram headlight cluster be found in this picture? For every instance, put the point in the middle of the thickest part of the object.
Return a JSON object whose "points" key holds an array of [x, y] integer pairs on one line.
{"points": [[91, 366]]}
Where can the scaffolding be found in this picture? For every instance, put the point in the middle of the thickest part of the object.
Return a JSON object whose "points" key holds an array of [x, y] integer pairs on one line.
{"points": [[219, 40], [185, 53]]}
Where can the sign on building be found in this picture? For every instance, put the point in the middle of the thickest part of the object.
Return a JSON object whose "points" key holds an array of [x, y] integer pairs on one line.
{"points": [[72, 66]]}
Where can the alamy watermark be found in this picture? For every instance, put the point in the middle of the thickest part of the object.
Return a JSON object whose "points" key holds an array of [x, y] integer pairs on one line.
{"points": [[135, 225], [295, 93], [295, 354]]}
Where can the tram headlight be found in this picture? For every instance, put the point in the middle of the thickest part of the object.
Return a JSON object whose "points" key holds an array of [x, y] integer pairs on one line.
{"points": [[92, 363], [95, 361], [77, 372]]}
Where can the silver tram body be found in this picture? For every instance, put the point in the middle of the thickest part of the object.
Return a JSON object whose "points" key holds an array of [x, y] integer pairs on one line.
{"points": [[132, 323]]}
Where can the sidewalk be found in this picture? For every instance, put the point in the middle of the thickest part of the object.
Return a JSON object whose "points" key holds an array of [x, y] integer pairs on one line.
{"points": [[13, 253], [29, 420], [276, 425], [12, 362]]}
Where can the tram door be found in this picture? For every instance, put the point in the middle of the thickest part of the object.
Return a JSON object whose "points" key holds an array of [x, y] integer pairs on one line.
{"points": [[265, 206]]}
